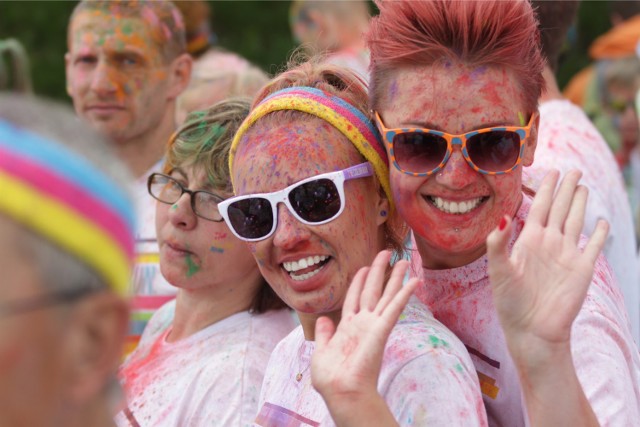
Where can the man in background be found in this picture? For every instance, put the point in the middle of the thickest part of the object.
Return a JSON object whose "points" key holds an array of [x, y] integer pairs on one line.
{"points": [[126, 65]]}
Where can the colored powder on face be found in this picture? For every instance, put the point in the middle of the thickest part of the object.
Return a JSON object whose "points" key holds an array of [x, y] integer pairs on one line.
{"points": [[216, 249], [521, 118], [174, 206], [127, 28], [191, 266], [437, 342]]}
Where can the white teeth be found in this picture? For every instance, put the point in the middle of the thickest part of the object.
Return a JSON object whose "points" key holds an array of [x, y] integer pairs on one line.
{"points": [[455, 207], [304, 276], [294, 266]]}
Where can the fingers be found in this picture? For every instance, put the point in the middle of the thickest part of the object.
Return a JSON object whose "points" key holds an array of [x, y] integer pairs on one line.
{"points": [[542, 201], [398, 302], [393, 285], [562, 202], [352, 300], [596, 241], [375, 281], [575, 219], [324, 332], [497, 250]]}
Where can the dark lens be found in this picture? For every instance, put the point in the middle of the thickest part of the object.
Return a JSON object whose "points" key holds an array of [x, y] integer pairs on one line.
{"points": [[251, 218], [316, 201], [419, 152], [165, 189], [207, 205], [495, 151]]}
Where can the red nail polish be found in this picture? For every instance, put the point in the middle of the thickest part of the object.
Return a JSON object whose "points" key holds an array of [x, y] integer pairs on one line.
{"points": [[503, 223]]}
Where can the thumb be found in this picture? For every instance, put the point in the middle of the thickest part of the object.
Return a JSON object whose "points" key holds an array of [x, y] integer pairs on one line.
{"points": [[497, 252], [324, 331]]}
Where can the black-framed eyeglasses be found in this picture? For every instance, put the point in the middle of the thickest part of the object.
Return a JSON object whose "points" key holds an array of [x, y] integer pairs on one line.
{"points": [[42, 301], [168, 190]]}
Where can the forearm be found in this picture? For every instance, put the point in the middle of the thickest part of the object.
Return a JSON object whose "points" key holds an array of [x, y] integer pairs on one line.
{"points": [[360, 411], [551, 389]]}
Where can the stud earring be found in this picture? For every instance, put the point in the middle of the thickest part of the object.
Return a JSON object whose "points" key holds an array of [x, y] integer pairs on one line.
{"points": [[383, 213]]}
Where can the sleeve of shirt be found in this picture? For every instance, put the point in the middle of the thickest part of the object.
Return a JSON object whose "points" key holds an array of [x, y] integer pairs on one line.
{"points": [[436, 389], [604, 353]]}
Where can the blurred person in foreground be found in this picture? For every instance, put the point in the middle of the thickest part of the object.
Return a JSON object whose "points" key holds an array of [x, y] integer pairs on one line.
{"points": [[66, 251], [335, 29], [126, 65], [568, 140]]}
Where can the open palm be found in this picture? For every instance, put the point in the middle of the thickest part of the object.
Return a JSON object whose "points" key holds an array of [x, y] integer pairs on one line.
{"points": [[347, 359], [539, 289]]}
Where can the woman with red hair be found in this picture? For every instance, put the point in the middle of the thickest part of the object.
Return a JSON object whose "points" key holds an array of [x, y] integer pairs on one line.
{"points": [[455, 87]]}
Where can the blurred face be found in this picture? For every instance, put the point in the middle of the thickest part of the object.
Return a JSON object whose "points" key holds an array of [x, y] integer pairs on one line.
{"points": [[310, 266], [454, 99], [32, 362], [196, 253], [116, 75]]}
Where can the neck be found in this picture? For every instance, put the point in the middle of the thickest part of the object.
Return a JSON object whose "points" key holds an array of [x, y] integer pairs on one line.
{"points": [[197, 309], [551, 91], [96, 414], [308, 322], [143, 151]]}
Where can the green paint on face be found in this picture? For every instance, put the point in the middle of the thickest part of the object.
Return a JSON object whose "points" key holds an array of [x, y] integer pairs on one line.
{"points": [[521, 117], [437, 342], [192, 268], [174, 206], [127, 28]]}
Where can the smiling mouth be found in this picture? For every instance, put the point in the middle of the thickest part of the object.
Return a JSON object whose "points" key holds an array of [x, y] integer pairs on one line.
{"points": [[305, 268], [456, 208]]}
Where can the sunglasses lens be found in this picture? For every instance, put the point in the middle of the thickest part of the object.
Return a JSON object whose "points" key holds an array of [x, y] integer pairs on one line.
{"points": [[316, 201], [494, 151], [419, 152], [251, 218]]}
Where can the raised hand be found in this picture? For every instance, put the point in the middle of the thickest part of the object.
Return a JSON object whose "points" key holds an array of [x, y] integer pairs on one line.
{"points": [[346, 363], [539, 289]]}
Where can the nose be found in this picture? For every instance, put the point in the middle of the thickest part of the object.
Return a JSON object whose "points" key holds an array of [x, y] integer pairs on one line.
{"points": [[103, 81], [456, 173], [181, 214], [290, 232]]}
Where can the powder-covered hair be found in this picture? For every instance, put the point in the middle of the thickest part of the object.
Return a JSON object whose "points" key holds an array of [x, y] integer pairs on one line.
{"points": [[336, 81], [162, 17], [494, 33], [554, 20], [202, 143]]}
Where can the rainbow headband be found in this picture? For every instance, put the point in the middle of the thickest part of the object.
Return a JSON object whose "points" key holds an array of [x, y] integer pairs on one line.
{"points": [[332, 109], [61, 196]]}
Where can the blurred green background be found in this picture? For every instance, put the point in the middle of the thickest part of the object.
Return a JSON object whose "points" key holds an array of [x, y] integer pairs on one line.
{"points": [[258, 30]]}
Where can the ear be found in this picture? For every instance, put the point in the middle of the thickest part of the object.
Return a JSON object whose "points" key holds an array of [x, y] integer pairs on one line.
{"points": [[531, 144], [95, 344], [382, 208], [179, 75], [67, 66]]}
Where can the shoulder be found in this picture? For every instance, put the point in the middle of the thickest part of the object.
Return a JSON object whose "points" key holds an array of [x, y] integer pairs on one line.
{"points": [[419, 335]]}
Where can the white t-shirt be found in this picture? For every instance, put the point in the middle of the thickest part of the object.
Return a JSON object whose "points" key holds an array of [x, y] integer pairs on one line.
{"points": [[149, 289], [568, 140], [427, 378], [211, 378], [604, 354]]}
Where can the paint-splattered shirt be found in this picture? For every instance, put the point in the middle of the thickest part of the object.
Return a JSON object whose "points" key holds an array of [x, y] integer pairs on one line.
{"points": [[426, 378], [604, 354], [211, 378], [568, 140], [150, 290]]}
